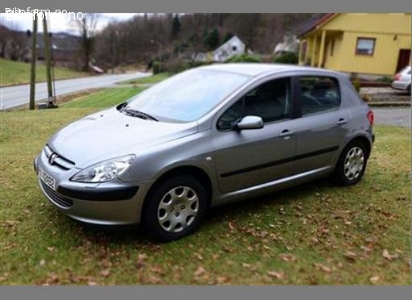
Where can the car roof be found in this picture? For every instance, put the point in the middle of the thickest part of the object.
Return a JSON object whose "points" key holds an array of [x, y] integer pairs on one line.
{"points": [[259, 69]]}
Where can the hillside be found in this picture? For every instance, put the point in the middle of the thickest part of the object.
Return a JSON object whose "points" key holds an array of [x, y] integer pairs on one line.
{"points": [[13, 72]]}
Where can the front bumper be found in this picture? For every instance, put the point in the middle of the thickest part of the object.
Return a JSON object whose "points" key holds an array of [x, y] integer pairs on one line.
{"points": [[109, 203]]}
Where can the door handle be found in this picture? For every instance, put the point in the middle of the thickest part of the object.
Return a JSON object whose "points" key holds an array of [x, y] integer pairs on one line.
{"points": [[342, 121], [286, 133]]}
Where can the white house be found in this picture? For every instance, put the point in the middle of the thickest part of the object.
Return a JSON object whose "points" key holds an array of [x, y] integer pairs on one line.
{"points": [[232, 47], [290, 44]]}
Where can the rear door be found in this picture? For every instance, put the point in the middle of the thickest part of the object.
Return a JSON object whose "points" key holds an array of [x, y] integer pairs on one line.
{"points": [[323, 125]]}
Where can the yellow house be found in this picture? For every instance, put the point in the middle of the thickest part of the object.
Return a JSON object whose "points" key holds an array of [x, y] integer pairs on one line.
{"points": [[374, 44]]}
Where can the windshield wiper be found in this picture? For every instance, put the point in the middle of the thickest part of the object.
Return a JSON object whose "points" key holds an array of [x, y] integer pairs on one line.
{"points": [[139, 114]]}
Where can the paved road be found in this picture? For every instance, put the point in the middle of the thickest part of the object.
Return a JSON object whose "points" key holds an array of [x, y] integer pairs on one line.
{"points": [[19, 95], [393, 116]]}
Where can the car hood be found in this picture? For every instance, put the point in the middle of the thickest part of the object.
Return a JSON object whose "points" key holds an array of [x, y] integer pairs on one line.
{"points": [[110, 134]]}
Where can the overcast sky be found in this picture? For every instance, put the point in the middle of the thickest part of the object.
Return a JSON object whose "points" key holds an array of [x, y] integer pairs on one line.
{"points": [[58, 22]]}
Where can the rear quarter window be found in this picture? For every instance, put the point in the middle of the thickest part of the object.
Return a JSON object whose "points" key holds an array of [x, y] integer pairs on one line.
{"points": [[318, 94]]}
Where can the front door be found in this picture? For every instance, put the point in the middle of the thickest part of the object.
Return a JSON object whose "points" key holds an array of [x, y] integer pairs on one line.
{"points": [[246, 158]]}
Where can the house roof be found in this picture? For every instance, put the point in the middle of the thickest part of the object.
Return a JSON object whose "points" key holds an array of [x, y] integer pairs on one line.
{"points": [[315, 22], [233, 38]]}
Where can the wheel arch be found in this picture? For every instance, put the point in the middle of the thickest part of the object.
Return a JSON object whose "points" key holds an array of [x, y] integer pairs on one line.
{"points": [[194, 171], [365, 141]]}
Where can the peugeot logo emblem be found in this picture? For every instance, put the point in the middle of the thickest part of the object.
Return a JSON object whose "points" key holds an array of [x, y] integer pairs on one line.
{"points": [[52, 158]]}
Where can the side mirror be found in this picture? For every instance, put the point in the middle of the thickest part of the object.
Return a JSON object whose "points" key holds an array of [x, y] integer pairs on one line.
{"points": [[249, 122]]}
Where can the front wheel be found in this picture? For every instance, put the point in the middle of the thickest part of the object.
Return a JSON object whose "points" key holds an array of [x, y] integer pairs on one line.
{"points": [[351, 164], [174, 208]]}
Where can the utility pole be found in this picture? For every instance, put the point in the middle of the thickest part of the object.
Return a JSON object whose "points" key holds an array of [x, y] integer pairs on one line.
{"points": [[47, 58], [33, 63]]}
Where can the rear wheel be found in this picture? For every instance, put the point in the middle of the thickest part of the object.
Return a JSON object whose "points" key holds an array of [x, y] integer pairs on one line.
{"points": [[351, 164], [174, 208]]}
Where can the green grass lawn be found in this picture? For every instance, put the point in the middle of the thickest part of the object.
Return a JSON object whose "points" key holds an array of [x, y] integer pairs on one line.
{"points": [[12, 72], [148, 80], [315, 234], [105, 98]]}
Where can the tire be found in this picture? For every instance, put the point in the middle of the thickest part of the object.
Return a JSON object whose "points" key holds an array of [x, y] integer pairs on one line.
{"points": [[174, 208], [352, 164]]}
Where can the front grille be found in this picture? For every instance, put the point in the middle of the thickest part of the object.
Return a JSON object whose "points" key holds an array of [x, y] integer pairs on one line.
{"points": [[59, 161], [56, 198]]}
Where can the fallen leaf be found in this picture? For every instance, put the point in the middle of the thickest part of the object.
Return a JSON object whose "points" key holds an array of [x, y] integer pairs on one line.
{"points": [[323, 268], [51, 249], [198, 256], [231, 226], [154, 280], [287, 257], [388, 256], [200, 271], [222, 279], [351, 256], [92, 283], [141, 260], [157, 270], [42, 262], [105, 272], [277, 275], [374, 279], [142, 257], [249, 266]]}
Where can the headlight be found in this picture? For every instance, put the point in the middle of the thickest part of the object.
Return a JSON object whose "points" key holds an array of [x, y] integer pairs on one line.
{"points": [[105, 170]]}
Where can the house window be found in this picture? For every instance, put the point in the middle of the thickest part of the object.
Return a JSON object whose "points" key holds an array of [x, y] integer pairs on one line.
{"points": [[365, 46]]}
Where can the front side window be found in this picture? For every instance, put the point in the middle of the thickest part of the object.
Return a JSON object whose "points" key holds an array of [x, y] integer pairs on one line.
{"points": [[271, 101], [318, 93], [365, 46]]}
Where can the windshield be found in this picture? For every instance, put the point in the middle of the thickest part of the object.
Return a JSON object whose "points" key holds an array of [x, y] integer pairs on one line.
{"points": [[187, 96]]}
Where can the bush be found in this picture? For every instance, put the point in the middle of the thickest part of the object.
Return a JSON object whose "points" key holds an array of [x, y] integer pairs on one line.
{"points": [[157, 67], [384, 79], [176, 65], [287, 58], [244, 58], [356, 84]]}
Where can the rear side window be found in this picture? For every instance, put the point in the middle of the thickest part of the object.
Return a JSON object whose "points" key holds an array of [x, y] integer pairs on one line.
{"points": [[318, 94]]}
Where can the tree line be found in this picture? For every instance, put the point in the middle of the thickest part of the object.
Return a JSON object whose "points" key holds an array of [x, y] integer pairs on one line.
{"points": [[163, 36]]}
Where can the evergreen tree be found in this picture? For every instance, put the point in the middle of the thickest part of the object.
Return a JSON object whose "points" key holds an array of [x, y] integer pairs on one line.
{"points": [[175, 26]]}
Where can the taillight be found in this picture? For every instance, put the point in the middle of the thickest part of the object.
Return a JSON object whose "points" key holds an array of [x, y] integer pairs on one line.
{"points": [[371, 117]]}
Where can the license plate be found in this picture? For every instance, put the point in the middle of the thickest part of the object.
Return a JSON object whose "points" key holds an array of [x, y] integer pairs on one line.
{"points": [[47, 179]]}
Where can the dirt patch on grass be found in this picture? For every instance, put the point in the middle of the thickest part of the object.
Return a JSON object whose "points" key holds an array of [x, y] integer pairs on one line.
{"points": [[60, 99]]}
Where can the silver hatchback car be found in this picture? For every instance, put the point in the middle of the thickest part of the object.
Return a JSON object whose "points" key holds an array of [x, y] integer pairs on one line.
{"points": [[205, 137]]}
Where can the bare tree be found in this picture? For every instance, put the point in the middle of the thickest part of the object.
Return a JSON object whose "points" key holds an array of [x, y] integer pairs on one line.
{"points": [[12, 40], [87, 29]]}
